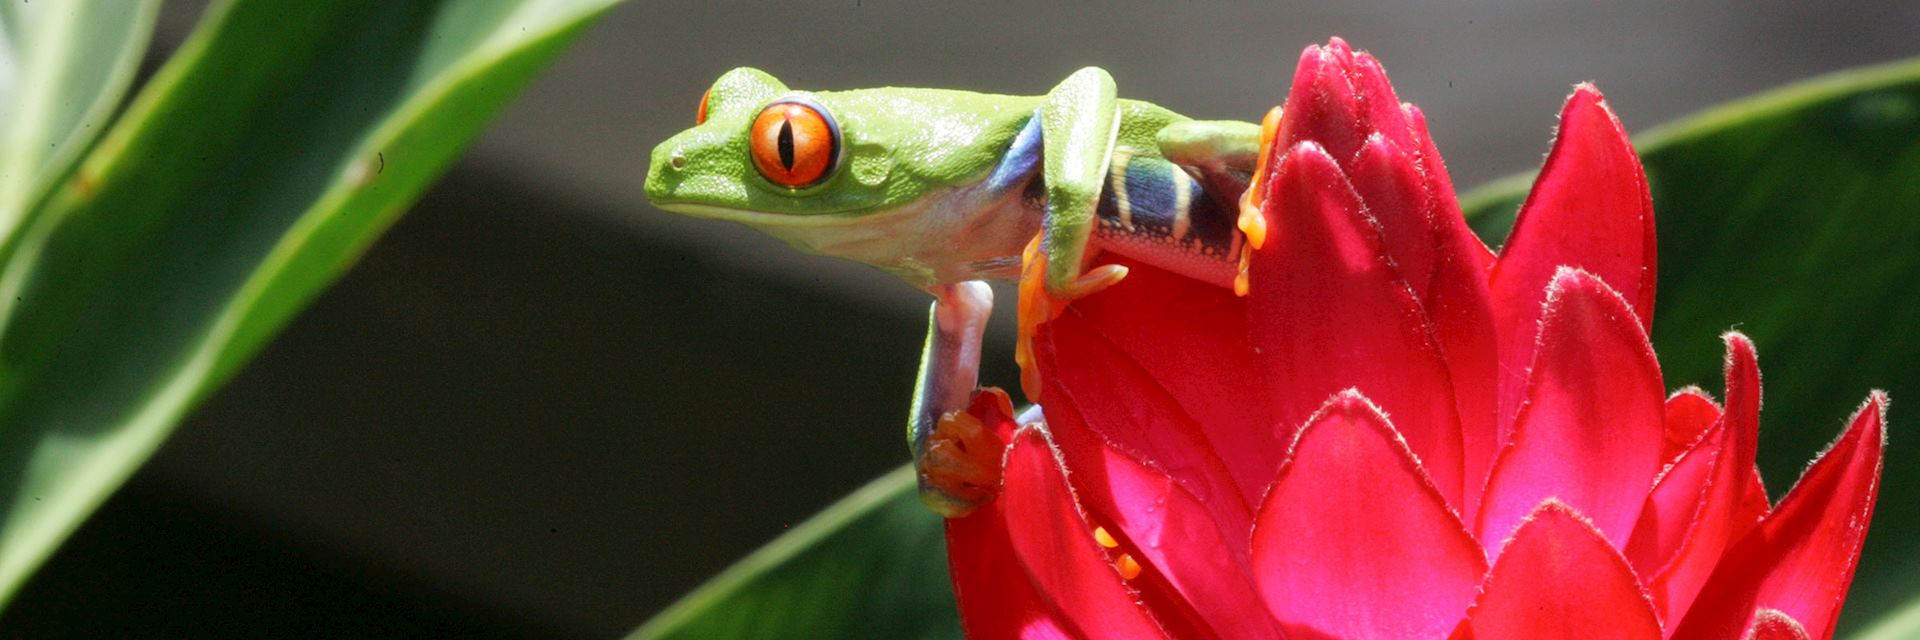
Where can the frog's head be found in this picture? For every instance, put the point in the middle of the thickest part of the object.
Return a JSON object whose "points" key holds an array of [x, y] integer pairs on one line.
{"points": [[766, 155]]}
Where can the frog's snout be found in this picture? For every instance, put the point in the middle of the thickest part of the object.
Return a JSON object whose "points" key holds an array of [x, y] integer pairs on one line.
{"points": [[668, 159]]}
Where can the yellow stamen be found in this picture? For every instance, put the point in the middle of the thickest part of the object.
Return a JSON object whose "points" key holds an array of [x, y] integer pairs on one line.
{"points": [[1129, 569], [1105, 539]]}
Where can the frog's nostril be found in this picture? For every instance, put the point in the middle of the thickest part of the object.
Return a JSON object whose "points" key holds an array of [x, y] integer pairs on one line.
{"points": [[677, 160]]}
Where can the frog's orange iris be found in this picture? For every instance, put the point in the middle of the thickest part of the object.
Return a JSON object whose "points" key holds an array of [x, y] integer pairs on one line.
{"points": [[794, 144]]}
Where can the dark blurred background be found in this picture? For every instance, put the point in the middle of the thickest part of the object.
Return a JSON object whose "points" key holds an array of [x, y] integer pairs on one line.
{"points": [[541, 408]]}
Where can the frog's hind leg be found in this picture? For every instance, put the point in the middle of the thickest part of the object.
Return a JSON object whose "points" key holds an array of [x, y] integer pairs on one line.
{"points": [[1221, 154], [958, 432]]}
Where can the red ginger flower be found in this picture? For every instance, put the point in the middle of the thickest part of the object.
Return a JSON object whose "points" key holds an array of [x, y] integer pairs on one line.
{"points": [[1399, 435]]}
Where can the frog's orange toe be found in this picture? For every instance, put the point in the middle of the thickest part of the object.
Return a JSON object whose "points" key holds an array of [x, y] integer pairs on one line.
{"points": [[1039, 304], [959, 467], [1252, 222]]}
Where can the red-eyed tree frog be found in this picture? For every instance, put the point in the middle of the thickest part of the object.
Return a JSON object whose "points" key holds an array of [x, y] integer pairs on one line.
{"points": [[946, 188]]}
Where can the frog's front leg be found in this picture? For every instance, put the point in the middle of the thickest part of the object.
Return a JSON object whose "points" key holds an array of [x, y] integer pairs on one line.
{"points": [[1079, 123], [956, 449]]}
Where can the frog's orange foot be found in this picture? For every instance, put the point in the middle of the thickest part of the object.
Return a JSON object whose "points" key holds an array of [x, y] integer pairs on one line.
{"points": [[1040, 304], [1252, 223], [959, 466]]}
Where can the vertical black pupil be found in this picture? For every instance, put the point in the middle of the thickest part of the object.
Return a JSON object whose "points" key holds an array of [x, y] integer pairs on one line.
{"points": [[786, 144]]}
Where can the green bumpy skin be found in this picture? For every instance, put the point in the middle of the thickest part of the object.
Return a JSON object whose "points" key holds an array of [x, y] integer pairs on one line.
{"points": [[908, 192], [898, 146]]}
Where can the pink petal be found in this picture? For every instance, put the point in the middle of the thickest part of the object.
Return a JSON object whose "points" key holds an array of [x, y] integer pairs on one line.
{"points": [[995, 597], [1166, 528], [1589, 431], [1800, 559], [1690, 412], [1381, 109], [1050, 537], [1769, 624], [1321, 107], [1460, 306], [1692, 443], [1588, 209], [1559, 578], [1391, 187], [1097, 396], [1433, 251], [1677, 497], [1462, 243], [1191, 339], [1328, 312], [1339, 99], [1353, 540], [1727, 510], [1172, 531]]}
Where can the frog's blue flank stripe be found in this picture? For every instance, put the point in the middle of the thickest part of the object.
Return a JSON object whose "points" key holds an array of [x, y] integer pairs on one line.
{"points": [[1021, 161], [1148, 203], [1149, 199]]}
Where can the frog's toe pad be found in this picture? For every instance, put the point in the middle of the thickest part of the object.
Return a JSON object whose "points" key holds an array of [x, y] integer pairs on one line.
{"points": [[959, 463]]}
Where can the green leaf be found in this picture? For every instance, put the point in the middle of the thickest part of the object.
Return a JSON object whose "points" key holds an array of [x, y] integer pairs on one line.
{"points": [[63, 68], [250, 171], [1901, 624], [873, 565], [1794, 216]]}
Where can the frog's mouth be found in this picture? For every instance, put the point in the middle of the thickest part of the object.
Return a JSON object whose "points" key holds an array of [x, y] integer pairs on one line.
{"points": [[763, 218]]}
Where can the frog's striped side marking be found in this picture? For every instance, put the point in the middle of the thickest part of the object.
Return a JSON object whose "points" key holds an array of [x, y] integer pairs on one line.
{"points": [[1183, 188], [1155, 212], [1117, 185]]}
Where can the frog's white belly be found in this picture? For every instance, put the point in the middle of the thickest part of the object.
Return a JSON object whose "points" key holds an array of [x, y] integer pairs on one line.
{"points": [[963, 233]]}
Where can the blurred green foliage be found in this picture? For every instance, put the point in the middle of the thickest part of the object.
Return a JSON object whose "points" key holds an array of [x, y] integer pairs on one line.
{"points": [[873, 565], [141, 269], [1793, 216]]}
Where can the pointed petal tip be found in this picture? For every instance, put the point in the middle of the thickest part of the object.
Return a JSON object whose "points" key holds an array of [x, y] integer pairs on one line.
{"points": [[1587, 96], [1571, 416], [1338, 46], [1565, 276], [1872, 414], [1049, 536], [1305, 168], [1801, 558], [1695, 391], [1771, 624], [1558, 577], [1737, 340], [1554, 508], [1311, 151], [1569, 280], [1346, 404], [1354, 540], [1351, 400], [1879, 400]]}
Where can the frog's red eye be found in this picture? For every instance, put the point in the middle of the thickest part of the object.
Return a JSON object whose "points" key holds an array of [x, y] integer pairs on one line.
{"points": [[795, 143], [701, 118]]}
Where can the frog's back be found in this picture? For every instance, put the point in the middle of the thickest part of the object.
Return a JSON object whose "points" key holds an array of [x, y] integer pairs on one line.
{"points": [[953, 134]]}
